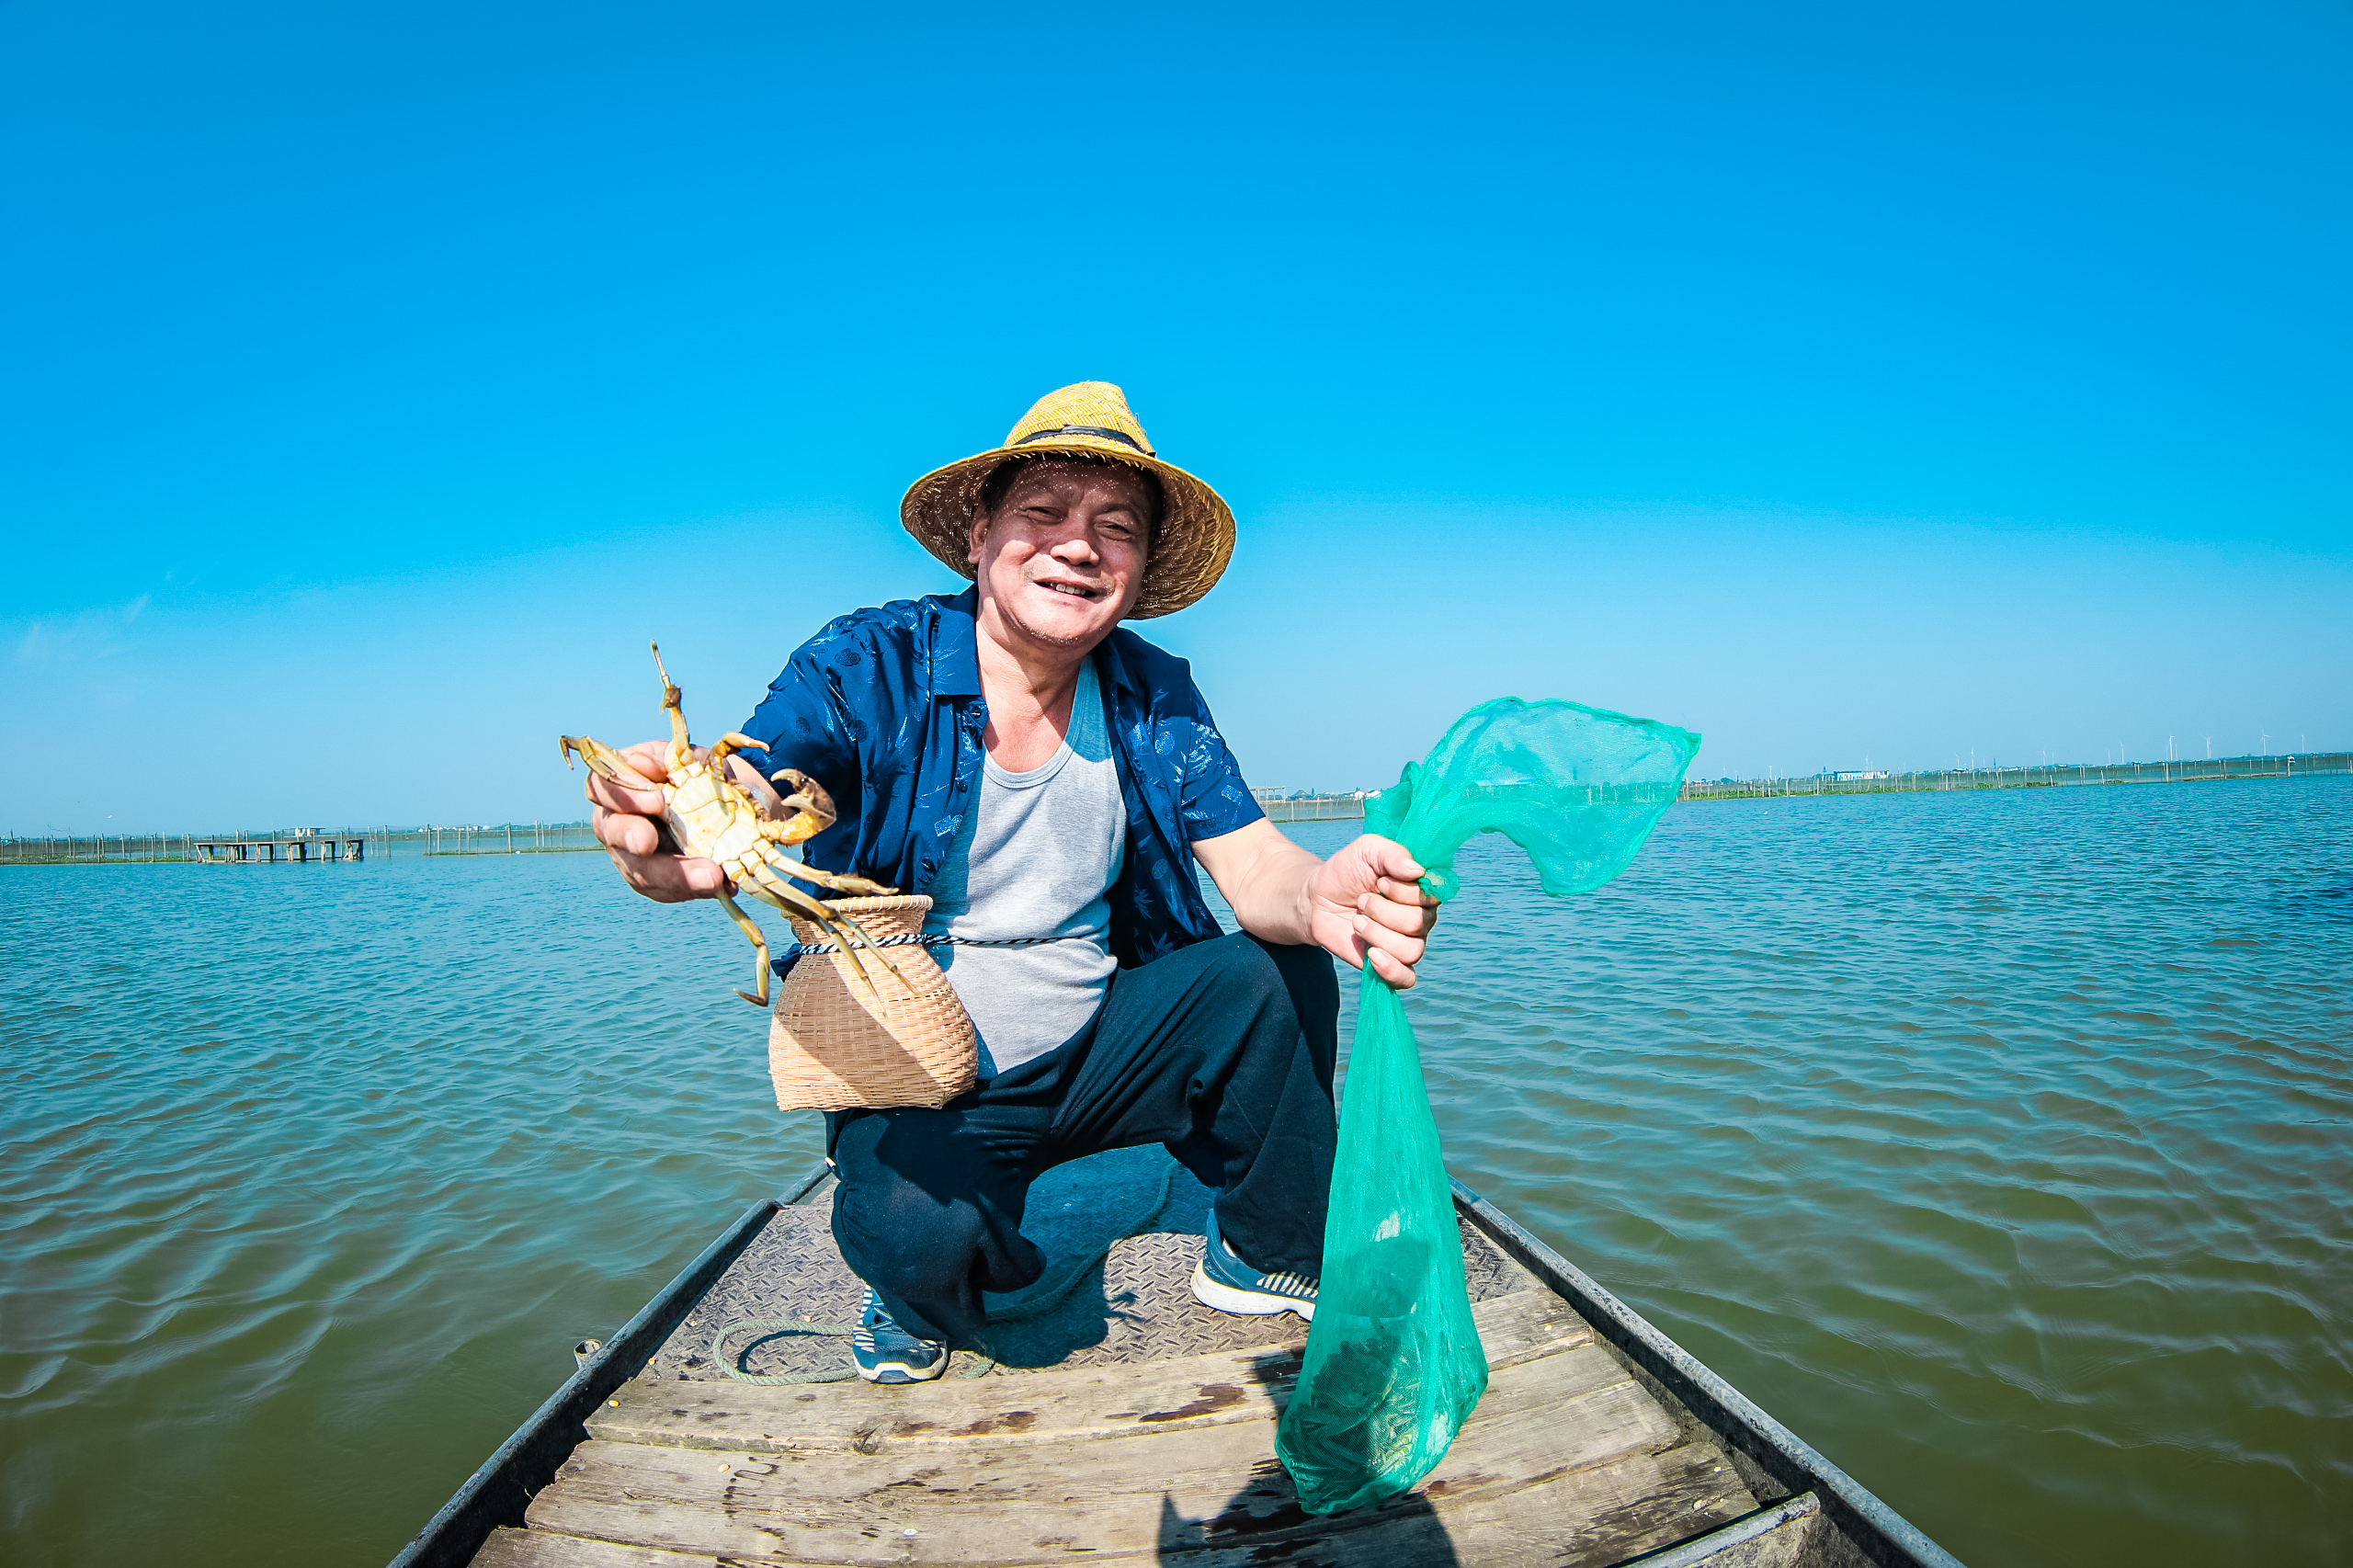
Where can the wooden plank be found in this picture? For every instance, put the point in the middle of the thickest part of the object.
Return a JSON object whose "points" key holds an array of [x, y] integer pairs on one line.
{"points": [[510, 1548], [1582, 1519], [1604, 1515], [1191, 1488], [1776, 1535], [1545, 1401], [1218, 1389], [497, 1493]]}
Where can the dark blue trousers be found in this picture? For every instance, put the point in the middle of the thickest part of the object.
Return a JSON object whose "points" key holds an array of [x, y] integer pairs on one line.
{"points": [[1221, 1053]]}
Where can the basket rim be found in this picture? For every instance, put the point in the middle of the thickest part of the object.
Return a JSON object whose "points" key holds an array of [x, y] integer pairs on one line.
{"points": [[874, 905]]}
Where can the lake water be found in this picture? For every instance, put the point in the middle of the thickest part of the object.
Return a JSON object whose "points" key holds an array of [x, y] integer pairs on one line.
{"points": [[2001, 1145]]}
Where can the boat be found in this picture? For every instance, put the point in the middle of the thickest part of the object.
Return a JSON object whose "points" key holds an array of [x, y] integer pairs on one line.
{"points": [[1109, 1416]]}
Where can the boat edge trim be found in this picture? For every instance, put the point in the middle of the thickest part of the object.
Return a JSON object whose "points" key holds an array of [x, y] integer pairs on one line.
{"points": [[1794, 1462], [502, 1489]]}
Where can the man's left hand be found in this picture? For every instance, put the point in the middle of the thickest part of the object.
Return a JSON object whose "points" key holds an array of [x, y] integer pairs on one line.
{"points": [[1366, 902]]}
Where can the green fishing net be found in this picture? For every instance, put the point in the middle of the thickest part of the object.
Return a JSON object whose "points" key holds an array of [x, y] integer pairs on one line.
{"points": [[1393, 1362]]}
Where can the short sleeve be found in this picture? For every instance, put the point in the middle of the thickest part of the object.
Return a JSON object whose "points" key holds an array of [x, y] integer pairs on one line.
{"points": [[1215, 798], [800, 724]]}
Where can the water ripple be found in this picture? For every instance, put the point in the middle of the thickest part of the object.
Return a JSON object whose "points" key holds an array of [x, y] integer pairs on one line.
{"points": [[1998, 1143], [307, 1197]]}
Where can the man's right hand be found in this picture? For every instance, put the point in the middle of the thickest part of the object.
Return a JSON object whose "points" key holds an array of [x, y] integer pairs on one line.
{"points": [[626, 821]]}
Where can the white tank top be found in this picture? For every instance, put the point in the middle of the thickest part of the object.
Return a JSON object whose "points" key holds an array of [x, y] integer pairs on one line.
{"points": [[1036, 856]]}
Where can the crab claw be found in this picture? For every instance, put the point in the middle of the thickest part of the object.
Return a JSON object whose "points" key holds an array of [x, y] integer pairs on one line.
{"points": [[588, 748], [812, 807], [602, 760]]}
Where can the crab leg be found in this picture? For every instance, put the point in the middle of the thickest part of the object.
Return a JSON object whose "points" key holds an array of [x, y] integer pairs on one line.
{"points": [[845, 932], [863, 935], [770, 888], [681, 748], [794, 902], [602, 760], [732, 741], [750, 930], [811, 813], [808, 873], [811, 807]]}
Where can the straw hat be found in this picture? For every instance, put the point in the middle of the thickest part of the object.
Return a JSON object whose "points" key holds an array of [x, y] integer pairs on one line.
{"points": [[1196, 535]]}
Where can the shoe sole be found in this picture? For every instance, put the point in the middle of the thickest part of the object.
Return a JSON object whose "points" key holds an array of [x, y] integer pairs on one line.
{"points": [[1245, 1304], [900, 1372]]}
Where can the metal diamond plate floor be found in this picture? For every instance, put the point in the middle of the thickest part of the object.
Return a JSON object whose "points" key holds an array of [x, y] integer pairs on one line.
{"points": [[1132, 1303]]}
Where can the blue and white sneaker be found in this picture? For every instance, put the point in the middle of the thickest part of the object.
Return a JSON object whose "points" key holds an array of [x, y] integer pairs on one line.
{"points": [[885, 1353], [1222, 1280]]}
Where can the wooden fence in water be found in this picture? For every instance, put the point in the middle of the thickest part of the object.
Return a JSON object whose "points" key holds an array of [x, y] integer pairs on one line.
{"points": [[1314, 808], [262, 847], [298, 846]]}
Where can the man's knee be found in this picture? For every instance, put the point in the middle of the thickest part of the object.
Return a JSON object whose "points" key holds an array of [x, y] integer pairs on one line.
{"points": [[1307, 976], [1242, 968], [1246, 966], [904, 1209], [1292, 987], [902, 1240]]}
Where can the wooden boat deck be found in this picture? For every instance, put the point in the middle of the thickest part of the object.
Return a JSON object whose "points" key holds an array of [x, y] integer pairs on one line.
{"points": [[1115, 1417]]}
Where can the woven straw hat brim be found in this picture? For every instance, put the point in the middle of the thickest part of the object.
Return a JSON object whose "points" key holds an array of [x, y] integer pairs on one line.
{"points": [[1189, 553]]}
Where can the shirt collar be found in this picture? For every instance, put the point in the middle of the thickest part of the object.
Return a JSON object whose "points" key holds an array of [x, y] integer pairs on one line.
{"points": [[1123, 677], [955, 647]]}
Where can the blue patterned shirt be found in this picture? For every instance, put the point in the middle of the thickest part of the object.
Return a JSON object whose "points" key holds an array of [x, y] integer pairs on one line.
{"points": [[883, 707]]}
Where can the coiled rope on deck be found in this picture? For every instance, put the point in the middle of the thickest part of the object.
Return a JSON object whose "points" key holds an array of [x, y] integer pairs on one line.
{"points": [[1049, 1290]]}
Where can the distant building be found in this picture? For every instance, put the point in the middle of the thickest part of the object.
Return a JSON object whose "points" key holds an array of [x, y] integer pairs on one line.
{"points": [[1852, 777]]}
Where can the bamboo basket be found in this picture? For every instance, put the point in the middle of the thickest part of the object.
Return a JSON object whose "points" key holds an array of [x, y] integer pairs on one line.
{"points": [[834, 1045]]}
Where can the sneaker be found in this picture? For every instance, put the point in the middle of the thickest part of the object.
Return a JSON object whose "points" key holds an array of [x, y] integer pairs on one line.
{"points": [[885, 1353], [1222, 1280]]}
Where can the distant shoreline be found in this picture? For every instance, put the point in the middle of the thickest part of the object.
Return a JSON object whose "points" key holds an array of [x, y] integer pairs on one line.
{"points": [[2204, 770], [574, 838]]}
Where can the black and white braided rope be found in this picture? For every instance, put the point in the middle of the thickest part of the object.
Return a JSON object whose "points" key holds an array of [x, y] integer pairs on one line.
{"points": [[925, 939]]}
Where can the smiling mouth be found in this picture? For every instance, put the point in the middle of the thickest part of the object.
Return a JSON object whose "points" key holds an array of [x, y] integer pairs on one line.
{"points": [[1074, 590]]}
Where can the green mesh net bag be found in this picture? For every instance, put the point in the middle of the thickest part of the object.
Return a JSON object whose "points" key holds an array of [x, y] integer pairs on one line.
{"points": [[1393, 1362]]}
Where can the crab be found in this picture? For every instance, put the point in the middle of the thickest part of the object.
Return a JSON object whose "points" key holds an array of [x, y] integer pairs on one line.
{"points": [[711, 816]]}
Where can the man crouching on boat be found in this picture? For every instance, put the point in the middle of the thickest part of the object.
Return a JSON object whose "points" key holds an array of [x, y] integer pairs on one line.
{"points": [[1042, 773]]}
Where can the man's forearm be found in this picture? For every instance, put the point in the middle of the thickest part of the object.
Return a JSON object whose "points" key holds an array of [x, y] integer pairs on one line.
{"points": [[1364, 903], [1273, 900]]}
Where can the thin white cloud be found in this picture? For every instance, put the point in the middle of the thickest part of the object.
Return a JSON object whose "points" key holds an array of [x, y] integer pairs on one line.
{"points": [[85, 637]]}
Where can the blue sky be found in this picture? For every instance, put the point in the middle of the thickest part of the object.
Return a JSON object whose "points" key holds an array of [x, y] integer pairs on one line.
{"points": [[1841, 382]]}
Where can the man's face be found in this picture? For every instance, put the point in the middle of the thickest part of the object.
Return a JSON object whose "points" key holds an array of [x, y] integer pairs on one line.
{"points": [[1063, 557]]}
